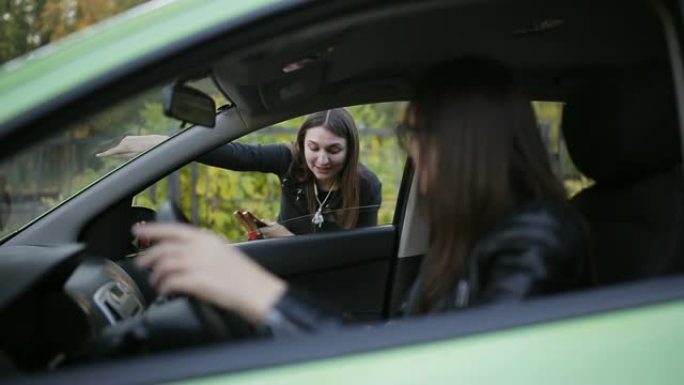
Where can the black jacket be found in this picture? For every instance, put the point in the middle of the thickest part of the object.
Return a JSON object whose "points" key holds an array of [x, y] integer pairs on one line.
{"points": [[294, 213], [540, 249]]}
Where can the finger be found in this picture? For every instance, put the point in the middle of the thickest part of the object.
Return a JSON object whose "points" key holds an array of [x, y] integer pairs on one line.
{"points": [[124, 155], [167, 267], [181, 283], [111, 152], [167, 232], [269, 228], [119, 155], [156, 253]]}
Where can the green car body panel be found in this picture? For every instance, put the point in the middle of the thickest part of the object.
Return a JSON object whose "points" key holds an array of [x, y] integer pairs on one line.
{"points": [[57, 68], [636, 346]]}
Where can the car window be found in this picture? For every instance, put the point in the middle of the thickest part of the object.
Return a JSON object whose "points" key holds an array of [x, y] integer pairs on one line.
{"points": [[50, 172], [549, 116], [209, 196]]}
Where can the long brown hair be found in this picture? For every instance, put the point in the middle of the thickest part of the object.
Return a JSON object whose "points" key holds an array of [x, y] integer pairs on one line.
{"points": [[478, 138], [340, 123]]}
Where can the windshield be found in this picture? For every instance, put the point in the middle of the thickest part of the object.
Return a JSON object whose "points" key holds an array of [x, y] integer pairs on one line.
{"points": [[42, 176]]}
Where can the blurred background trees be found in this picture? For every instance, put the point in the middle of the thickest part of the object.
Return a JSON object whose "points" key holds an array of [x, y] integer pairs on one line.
{"points": [[29, 24]]}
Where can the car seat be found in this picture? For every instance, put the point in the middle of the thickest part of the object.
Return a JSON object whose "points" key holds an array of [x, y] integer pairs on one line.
{"points": [[621, 130]]}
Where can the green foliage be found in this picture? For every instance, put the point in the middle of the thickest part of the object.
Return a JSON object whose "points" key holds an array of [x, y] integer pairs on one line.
{"points": [[378, 116], [549, 115], [153, 119]]}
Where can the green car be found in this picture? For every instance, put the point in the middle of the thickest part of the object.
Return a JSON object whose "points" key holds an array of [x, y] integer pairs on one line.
{"points": [[607, 81]]}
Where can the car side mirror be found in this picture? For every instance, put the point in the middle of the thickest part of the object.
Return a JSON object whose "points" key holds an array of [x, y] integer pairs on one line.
{"points": [[189, 105]]}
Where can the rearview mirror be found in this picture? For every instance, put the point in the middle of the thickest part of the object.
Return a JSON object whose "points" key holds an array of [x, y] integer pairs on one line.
{"points": [[189, 105]]}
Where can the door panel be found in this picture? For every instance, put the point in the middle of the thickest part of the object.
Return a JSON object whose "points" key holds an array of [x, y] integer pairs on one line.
{"points": [[347, 269]]}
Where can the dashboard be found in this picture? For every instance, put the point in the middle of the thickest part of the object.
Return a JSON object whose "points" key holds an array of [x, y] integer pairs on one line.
{"points": [[54, 299]]}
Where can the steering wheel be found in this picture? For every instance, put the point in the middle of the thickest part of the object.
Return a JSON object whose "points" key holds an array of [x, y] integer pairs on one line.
{"points": [[170, 321]]}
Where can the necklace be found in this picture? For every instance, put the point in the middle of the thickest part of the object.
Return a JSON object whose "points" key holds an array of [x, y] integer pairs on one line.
{"points": [[318, 217]]}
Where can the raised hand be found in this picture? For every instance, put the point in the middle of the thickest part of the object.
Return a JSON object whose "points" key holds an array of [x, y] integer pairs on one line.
{"points": [[131, 146], [275, 230]]}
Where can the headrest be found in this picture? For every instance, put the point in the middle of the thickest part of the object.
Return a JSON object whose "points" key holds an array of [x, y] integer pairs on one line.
{"points": [[620, 126]]}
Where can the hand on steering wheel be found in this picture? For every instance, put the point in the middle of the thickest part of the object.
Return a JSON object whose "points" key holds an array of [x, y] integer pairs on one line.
{"points": [[219, 288]]}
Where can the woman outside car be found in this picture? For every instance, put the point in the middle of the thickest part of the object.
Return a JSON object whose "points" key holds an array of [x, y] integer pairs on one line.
{"points": [[324, 187]]}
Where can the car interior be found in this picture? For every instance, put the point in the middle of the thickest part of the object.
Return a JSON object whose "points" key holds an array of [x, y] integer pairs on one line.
{"points": [[608, 62]]}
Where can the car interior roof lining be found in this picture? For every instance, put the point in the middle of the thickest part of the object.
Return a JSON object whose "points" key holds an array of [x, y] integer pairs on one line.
{"points": [[542, 41]]}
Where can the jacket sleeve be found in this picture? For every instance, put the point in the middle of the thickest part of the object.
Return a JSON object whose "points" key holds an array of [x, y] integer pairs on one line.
{"points": [[270, 158], [539, 251], [296, 312], [370, 199]]}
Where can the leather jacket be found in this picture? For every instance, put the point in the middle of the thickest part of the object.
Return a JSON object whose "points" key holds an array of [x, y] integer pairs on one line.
{"points": [[541, 248]]}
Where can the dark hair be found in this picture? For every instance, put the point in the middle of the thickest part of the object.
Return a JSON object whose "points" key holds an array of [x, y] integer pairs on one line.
{"points": [[339, 122], [485, 149]]}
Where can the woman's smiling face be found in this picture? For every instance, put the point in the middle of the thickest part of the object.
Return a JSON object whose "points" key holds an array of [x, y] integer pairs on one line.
{"points": [[325, 153]]}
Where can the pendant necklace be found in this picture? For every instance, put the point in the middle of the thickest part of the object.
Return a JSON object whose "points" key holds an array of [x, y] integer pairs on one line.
{"points": [[318, 217]]}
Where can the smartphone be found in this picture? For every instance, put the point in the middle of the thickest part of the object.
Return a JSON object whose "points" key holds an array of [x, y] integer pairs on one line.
{"points": [[251, 217], [250, 223]]}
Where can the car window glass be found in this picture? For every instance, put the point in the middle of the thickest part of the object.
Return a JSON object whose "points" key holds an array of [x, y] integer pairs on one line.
{"points": [[55, 169], [549, 116], [209, 195]]}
